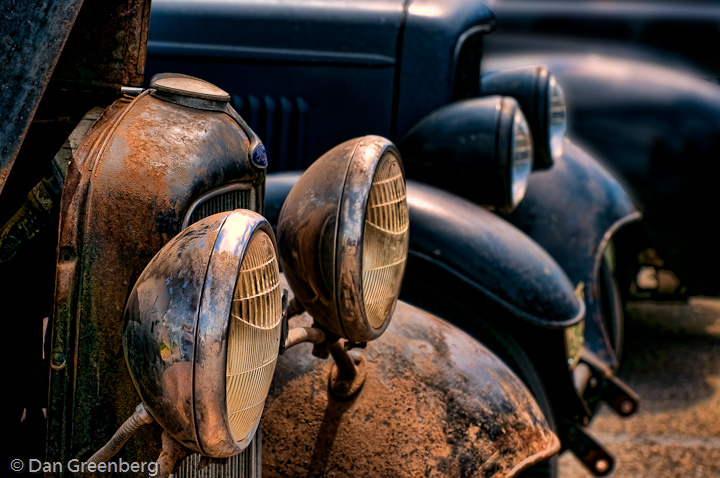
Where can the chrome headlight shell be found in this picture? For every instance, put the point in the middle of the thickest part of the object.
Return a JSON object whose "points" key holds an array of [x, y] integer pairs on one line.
{"points": [[343, 237], [542, 99], [202, 332], [521, 157]]}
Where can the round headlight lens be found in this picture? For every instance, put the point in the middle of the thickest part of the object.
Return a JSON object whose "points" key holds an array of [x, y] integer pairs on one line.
{"points": [[557, 117], [253, 335], [521, 156], [385, 241]]}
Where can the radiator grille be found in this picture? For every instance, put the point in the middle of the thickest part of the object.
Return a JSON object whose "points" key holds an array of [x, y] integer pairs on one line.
{"points": [[228, 198], [282, 125], [247, 464]]}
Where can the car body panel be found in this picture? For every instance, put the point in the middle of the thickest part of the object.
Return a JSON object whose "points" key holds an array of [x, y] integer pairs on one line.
{"points": [[307, 75], [594, 206], [434, 400], [678, 34]]}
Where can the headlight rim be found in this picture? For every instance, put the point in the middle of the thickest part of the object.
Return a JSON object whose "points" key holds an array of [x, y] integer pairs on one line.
{"points": [[510, 109], [179, 370], [556, 142], [349, 237], [207, 388]]}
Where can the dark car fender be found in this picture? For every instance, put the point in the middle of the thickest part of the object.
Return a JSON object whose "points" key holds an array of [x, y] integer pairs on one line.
{"points": [[434, 399], [572, 210], [474, 246]]}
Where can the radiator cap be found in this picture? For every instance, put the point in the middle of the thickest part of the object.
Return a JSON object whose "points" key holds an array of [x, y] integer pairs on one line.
{"points": [[188, 91]]}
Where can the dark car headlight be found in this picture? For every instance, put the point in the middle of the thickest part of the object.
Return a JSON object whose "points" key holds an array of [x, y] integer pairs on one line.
{"points": [[542, 100], [480, 148], [343, 237]]}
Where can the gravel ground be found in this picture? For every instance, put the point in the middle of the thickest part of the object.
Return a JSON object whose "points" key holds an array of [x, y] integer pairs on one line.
{"points": [[672, 359]]}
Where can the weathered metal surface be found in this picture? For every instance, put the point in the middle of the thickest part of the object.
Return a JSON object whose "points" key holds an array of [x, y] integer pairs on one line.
{"points": [[321, 233], [127, 190], [434, 403], [175, 337], [28, 56], [572, 210], [502, 263], [42, 204], [105, 49]]}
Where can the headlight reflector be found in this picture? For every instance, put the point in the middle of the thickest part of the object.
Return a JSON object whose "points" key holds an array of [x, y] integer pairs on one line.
{"points": [[385, 245]]}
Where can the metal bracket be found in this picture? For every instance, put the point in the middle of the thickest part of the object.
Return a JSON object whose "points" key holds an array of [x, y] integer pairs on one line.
{"points": [[610, 389], [595, 458], [348, 375]]}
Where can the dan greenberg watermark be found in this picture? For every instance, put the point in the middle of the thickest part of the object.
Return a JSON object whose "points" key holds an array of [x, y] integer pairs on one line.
{"points": [[76, 466]]}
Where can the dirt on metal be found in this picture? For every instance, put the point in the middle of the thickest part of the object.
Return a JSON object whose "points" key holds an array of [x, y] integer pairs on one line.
{"points": [[434, 403]]}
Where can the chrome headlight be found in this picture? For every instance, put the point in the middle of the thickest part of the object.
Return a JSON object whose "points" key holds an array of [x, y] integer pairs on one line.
{"points": [[542, 100], [343, 237], [202, 332], [480, 148]]}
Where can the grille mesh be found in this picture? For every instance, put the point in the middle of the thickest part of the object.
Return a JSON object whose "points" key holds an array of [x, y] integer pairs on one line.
{"points": [[244, 465], [385, 241], [227, 201], [282, 122]]}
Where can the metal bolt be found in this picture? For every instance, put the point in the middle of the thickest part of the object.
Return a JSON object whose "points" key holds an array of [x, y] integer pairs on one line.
{"points": [[341, 386], [627, 407], [602, 465], [57, 361]]}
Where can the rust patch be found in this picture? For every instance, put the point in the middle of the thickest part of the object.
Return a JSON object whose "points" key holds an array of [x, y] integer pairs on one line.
{"points": [[420, 413]]}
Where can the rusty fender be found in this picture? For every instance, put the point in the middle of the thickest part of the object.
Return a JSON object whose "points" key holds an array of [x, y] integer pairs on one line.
{"points": [[132, 180], [572, 210], [435, 402], [458, 237]]}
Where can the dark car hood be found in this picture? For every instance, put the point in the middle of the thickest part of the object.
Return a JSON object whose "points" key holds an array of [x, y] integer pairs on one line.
{"points": [[304, 30]]}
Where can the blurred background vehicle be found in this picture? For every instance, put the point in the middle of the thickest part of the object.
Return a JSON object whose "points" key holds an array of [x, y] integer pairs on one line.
{"points": [[640, 80]]}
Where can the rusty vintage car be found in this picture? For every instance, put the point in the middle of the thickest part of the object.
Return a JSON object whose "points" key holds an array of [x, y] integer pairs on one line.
{"points": [[142, 251]]}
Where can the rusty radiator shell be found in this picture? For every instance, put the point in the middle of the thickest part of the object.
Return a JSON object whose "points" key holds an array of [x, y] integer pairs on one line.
{"points": [[128, 187]]}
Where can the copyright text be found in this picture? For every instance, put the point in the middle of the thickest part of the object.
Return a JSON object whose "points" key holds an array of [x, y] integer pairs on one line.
{"points": [[76, 466]]}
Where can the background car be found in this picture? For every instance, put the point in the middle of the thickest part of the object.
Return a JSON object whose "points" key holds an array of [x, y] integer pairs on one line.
{"points": [[640, 80]]}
